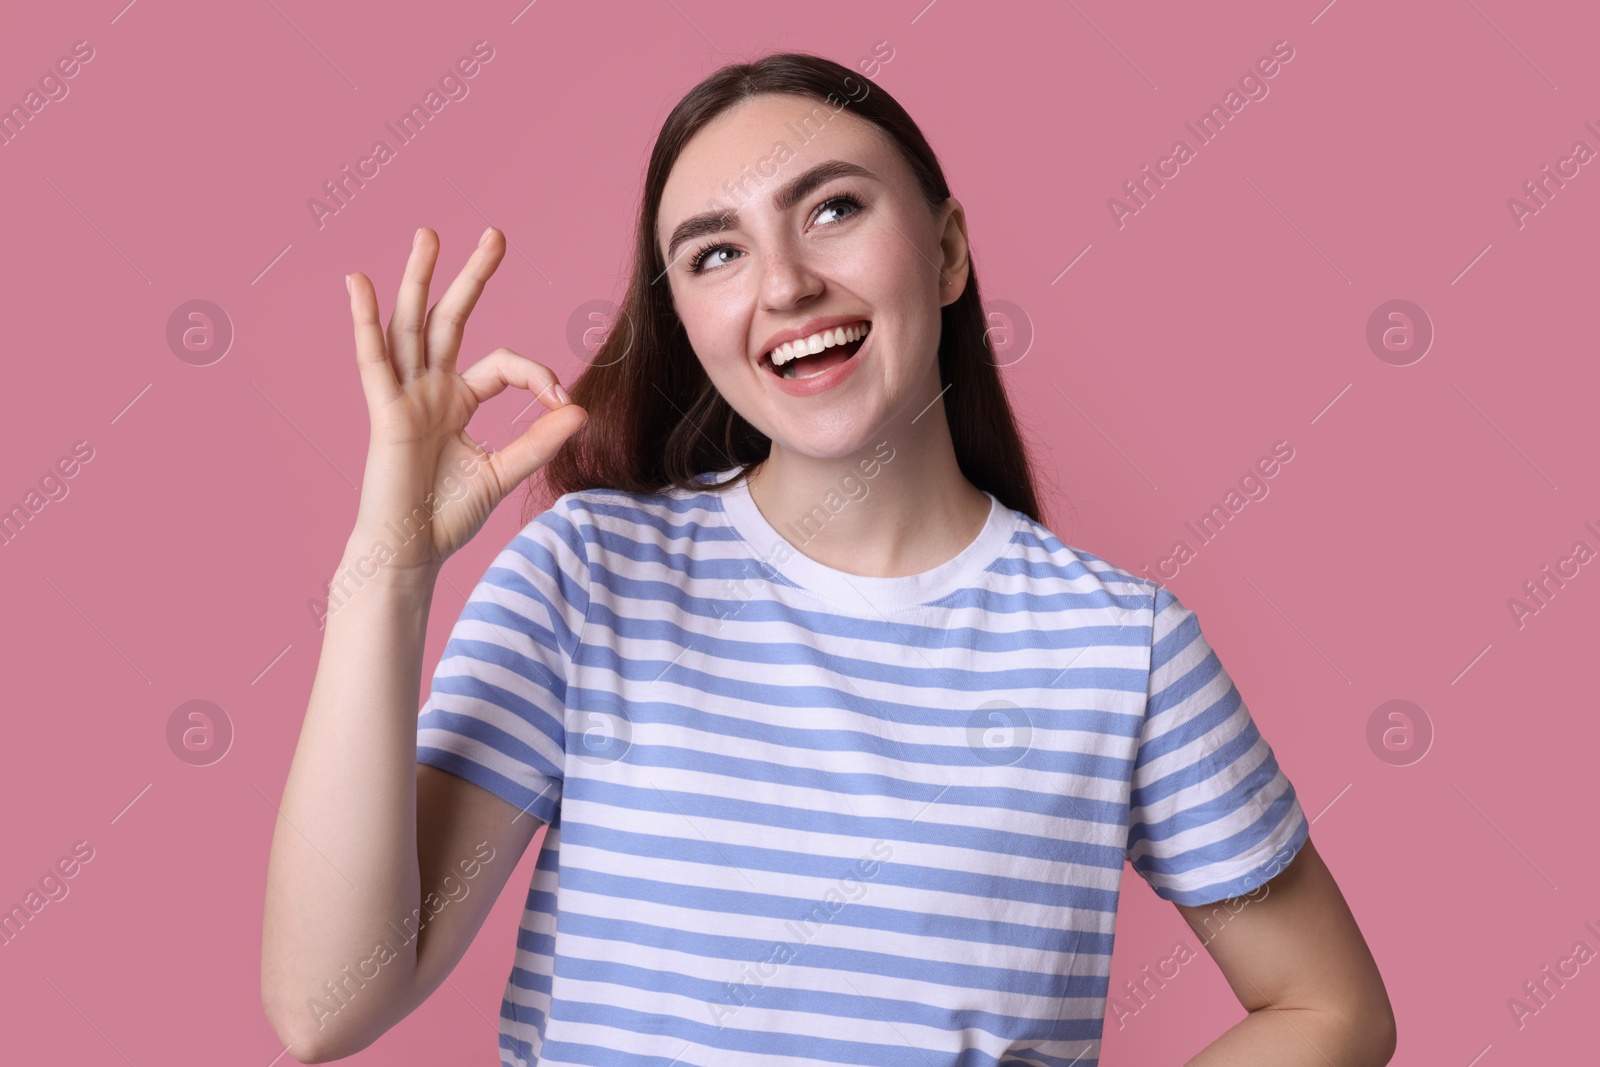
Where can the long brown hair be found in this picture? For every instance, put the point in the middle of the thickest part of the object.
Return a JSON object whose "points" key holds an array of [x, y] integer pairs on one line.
{"points": [[655, 419]]}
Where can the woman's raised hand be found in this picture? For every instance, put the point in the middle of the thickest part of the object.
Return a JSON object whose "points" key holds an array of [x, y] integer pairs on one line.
{"points": [[428, 487]]}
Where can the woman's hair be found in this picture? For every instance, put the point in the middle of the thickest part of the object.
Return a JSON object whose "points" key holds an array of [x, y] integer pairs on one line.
{"points": [[655, 419]]}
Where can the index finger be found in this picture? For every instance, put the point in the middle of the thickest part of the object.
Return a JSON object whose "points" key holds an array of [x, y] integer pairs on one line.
{"points": [[372, 357], [448, 318]]}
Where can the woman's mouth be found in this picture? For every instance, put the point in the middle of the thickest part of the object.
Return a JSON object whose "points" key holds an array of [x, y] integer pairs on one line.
{"points": [[817, 354]]}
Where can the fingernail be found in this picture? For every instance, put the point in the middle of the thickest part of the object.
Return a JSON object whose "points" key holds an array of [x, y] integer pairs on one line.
{"points": [[349, 286], [416, 239], [485, 236], [560, 394]]}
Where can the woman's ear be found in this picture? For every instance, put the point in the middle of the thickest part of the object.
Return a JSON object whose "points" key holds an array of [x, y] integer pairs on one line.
{"points": [[955, 260]]}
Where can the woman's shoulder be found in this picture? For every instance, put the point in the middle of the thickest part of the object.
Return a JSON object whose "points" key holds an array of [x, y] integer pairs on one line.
{"points": [[604, 514], [643, 506], [1047, 556]]}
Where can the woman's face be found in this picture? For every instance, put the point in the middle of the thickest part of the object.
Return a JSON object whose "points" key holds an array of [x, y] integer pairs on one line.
{"points": [[858, 247]]}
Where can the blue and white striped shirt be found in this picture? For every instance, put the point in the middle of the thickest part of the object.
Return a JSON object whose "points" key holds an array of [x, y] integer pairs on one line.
{"points": [[805, 817]]}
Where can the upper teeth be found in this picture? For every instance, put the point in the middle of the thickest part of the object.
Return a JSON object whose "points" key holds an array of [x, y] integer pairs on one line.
{"points": [[810, 346]]}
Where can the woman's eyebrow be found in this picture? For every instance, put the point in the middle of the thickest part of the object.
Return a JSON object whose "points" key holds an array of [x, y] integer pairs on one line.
{"points": [[786, 196]]}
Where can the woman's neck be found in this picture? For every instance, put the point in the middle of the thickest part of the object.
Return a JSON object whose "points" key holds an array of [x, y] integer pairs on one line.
{"points": [[899, 506]]}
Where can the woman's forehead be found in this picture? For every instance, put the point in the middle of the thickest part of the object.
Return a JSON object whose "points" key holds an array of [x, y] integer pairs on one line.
{"points": [[768, 133]]}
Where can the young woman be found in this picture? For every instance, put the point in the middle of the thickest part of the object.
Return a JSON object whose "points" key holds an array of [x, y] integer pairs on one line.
{"points": [[840, 750]]}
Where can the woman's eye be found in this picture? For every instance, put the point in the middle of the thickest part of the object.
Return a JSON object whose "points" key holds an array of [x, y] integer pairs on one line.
{"points": [[699, 258], [847, 201]]}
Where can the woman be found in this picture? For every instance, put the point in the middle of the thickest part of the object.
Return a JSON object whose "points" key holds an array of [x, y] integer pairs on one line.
{"points": [[841, 750]]}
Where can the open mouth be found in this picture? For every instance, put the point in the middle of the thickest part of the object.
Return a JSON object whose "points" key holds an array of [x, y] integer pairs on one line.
{"points": [[811, 364]]}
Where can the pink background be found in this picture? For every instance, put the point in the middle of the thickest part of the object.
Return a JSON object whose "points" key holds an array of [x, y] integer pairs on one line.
{"points": [[1228, 314]]}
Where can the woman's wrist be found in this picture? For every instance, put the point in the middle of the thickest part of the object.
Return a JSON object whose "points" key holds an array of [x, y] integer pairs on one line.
{"points": [[372, 558]]}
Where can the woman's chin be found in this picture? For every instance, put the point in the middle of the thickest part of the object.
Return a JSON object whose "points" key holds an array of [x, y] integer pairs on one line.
{"points": [[824, 447]]}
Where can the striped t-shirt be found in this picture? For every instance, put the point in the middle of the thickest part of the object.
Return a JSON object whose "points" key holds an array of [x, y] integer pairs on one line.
{"points": [[802, 817]]}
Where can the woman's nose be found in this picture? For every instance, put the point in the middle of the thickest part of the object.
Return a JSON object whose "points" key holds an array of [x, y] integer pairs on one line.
{"points": [[786, 279]]}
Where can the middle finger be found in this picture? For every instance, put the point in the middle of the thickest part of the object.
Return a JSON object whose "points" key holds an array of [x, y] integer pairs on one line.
{"points": [[405, 336], [449, 316]]}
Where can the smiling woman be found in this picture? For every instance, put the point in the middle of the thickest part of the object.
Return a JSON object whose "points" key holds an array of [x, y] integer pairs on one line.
{"points": [[864, 797], [720, 279]]}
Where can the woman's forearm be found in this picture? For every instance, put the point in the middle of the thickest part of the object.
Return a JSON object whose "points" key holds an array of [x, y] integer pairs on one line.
{"points": [[343, 874]]}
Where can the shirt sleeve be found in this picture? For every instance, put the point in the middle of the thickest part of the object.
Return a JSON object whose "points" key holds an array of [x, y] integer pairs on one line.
{"points": [[1212, 816], [496, 711]]}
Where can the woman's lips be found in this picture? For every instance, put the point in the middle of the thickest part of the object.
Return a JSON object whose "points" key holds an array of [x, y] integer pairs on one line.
{"points": [[829, 355], [809, 329], [829, 378]]}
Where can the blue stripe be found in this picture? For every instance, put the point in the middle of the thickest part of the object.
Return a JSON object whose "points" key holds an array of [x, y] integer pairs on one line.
{"points": [[925, 828], [772, 993], [778, 861], [850, 961]]}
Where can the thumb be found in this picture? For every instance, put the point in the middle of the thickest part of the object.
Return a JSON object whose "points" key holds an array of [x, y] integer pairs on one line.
{"points": [[519, 459]]}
